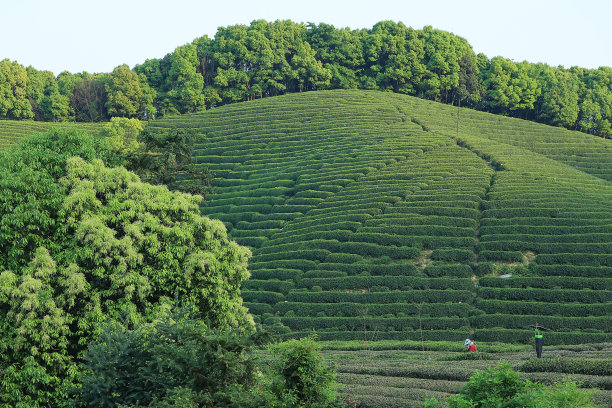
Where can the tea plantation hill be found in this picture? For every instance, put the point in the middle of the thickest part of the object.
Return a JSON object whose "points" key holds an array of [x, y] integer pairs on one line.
{"points": [[13, 130], [370, 219]]}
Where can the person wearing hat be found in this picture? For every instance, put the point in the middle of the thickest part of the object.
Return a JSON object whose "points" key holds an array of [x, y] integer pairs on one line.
{"points": [[469, 345]]}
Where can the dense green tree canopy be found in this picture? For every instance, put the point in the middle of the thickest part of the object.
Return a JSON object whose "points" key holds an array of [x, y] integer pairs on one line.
{"points": [[83, 243], [129, 94], [244, 62], [13, 91]]}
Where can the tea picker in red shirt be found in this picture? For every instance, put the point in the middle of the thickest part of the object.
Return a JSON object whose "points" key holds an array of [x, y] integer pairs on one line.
{"points": [[469, 345]]}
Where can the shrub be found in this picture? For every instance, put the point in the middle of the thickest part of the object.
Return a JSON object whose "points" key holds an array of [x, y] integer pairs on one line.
{"points": [[301, 376], [502, 387], [154, 362], [453, 255]]}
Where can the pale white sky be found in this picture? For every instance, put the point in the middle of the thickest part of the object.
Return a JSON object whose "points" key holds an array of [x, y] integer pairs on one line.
{"points": [[82, 35]]}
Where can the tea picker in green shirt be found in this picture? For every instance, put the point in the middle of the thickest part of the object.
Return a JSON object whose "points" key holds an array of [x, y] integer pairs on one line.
{"points": [[539, 338]]}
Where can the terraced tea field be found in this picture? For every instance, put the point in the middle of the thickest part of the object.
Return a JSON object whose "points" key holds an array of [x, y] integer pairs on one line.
{"points": [[369, 219], [405, 378], [374, 224], [13, 130]]}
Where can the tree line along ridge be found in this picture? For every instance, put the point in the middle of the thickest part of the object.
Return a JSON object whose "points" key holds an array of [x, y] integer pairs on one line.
{"points": [[273, 58]]}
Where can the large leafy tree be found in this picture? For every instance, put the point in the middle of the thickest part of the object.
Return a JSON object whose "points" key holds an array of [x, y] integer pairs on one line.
{"points": [[14, 103], [38, 82], [184, 84], [394, 55], [558, 102], [129, 94], [508, 87], [340, 51], [88, 98], [84, 243]]}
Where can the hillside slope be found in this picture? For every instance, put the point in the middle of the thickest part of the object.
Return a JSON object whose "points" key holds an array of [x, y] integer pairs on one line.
{"points": [[13, 130], [369, 218]]}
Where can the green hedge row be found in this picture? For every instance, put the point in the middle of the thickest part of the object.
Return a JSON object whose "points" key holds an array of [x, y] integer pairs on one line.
{"points": [[374, 323], [325, 219], [549, 248], [391, 282], [409, 296], [250, 233], [500, 256], [551, 282], [280, 273], [258, 308], [453, 255], [254, 242], [313, 194], [546, 295], [271, 285], [404, 269], [550, 338], [543, 308], [342, 225], [458, 271], [215, 202], [537, 212], [437, 211], [556, 238], [571, 270], [420, 230], [552, 322], [542, 226], [260, 296], [360, 309], [302, 264], [576, 259], [457, 335], [322, 273], [591, 366], [259, 225], [337, 257], [374, 250], [338, 235], [309, 254], [406, 219]]}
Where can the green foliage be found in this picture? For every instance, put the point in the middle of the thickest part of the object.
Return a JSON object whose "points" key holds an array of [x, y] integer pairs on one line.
{"points": [[175, 360], [301, 376], [83, 243], [166, 157], [273, 58], [13, 91], [502, 387], [129, 95], [601, 367], [121, 134]]}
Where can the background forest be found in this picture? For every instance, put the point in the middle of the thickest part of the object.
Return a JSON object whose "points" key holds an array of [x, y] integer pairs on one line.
{"points": [[273, 58]]}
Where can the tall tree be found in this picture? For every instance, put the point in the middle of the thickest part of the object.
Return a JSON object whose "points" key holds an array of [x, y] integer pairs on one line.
{"points": [[558, 103], [14, 103], [508, 87], [128, 94], [340, 51], [184, 84], [38, 83], [444, 53], [89, 98], [394, 55]]}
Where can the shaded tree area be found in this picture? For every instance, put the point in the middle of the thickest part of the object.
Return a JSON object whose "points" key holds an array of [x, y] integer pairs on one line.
{"points": [[265, 59]]}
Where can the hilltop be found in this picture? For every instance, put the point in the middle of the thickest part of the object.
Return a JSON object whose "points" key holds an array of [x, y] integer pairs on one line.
{"points": [[369, 218], [267, 59]]}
